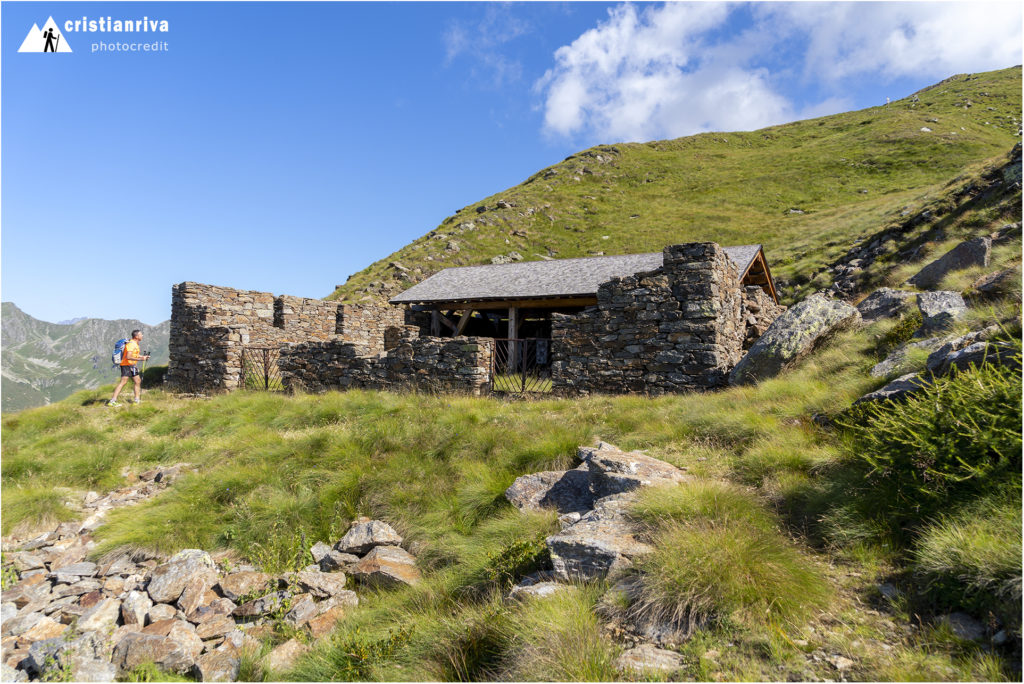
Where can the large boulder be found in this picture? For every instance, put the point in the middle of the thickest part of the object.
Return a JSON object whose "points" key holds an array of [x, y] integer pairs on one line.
{"points": [[566, 491], [285, 655], [792, 336], [387, 566], [974, 252], [168, 580], [216, 666], [364, 536], [602, 543], [939, 310], [885, 303], [975, 354], [613, 471], [321, 585]]}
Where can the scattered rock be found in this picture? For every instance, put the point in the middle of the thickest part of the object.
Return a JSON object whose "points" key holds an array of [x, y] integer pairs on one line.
{"points": [[964, 626], [261, 606], [245, 583], [319, 551], [841, 663], [565, 491], [219, 625], [602, 543], [885, 303], [974, 252], [285, 655], [160, 611], [613, 471], [793, 335], [897, 361], [939, 310], [136, 649], [323, 624], [336, 560], [216, 667], [167, 581], [535, 590], [363, 536], [648, 658], [897, 389], [320, 585], [998, 284], [9, 674], [387, 566], [135, 607]]}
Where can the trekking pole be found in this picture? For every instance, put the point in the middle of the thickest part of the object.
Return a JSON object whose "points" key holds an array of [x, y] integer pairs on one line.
{"points": [[57, 44]]}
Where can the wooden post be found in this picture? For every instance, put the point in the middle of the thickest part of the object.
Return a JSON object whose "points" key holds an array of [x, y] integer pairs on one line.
{"points": [[467, 314], [435, 323], [513, 333]]}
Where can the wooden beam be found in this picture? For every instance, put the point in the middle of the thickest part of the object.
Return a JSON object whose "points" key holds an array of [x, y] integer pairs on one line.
{"points": [[466, 315], [445, 320], [491, 305], [435, 323]]}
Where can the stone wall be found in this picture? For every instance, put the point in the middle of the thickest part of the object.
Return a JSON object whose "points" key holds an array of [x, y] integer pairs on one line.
{"points": [[677, 328], [211, 325], [426, 364], [759, 312]]}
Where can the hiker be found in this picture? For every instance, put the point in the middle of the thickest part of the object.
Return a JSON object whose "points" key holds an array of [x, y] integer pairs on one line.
{"points": [[129, 369], [50, 46]]}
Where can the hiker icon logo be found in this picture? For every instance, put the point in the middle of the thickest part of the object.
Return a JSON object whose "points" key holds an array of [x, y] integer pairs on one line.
{"points": [[46, 39]]}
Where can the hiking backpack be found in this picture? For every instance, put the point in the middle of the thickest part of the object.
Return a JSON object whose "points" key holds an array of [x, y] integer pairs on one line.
{"points": [[115, 358]]}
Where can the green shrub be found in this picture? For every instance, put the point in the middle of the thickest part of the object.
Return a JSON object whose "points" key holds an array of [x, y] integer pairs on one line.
{"points": [[354, 656], [900, 333], [962, 432], [516, 559]]}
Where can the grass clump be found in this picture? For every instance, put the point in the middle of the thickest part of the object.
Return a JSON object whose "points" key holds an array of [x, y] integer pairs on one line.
{"points": [[720, 557], [971, 558]]}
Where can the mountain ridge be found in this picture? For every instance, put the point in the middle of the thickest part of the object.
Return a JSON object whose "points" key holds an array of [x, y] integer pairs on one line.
{"points": [[44, 362], [803, 189]]}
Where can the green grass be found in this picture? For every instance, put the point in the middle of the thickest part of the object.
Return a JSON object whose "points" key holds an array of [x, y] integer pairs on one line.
{"points": [[721, 557], [849, 173]]}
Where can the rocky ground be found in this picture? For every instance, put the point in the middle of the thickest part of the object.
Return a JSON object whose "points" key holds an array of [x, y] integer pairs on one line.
{"points": [[68, 618]]}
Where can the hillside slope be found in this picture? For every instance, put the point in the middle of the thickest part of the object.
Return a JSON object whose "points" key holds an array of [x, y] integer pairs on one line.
{"points": [[46, 362], [806, 190]]}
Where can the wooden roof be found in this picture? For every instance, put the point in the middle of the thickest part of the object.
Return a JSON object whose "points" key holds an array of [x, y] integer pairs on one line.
{"points": [[557, 278]]}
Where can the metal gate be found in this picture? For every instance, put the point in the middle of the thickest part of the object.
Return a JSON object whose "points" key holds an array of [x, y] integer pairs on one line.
{"points": [[521, 365], [260, 370]]}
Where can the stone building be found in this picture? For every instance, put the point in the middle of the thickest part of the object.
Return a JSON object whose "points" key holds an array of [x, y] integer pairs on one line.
{"points": [[670, 321]]}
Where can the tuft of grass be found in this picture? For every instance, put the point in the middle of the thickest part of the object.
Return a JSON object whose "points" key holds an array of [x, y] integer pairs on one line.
{"points": [[720, 557], [972, 557]]}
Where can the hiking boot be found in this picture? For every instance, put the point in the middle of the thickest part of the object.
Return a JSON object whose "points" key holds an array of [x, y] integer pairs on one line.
{"points": [[112, 403], [136, 401]]}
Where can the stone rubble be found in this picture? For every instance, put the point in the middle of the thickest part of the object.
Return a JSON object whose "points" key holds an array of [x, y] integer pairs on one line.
{"points": [[600, 541], [67, 616]]}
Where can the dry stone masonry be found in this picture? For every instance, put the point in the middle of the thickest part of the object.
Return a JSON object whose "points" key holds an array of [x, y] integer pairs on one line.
{"points": [[678, 328], [211, 325], [681, 327]]}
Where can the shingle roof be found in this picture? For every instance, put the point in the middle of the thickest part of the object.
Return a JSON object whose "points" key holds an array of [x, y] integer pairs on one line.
{"points": [[555, 278]]}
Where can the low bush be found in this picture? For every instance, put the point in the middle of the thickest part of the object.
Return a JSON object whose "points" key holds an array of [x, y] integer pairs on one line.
{"points": [[960, 434], [900, 333]]}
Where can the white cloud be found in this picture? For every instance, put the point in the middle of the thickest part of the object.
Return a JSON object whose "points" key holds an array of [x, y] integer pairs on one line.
{"points": [[934, 39], [481, 41], [651, 74], [683, 68]]}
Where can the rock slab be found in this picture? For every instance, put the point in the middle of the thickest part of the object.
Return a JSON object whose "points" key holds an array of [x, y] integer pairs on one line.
{"points": [[792, 336]]}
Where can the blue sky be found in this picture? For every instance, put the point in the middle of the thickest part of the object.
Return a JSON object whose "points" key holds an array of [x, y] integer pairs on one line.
{"points": [[283, 146]]}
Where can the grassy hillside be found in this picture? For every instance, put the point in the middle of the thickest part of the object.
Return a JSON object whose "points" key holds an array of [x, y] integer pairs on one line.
{"points": [[46, 362], [846, 174], [780, 547]]}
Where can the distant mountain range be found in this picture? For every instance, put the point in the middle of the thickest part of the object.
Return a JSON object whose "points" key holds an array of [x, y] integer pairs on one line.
{"points": [[45, 362]]}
